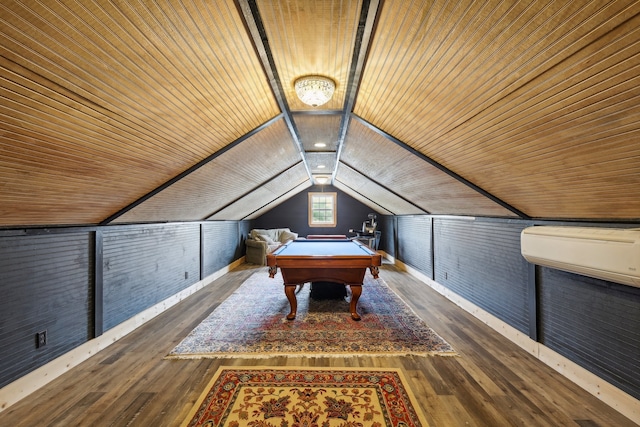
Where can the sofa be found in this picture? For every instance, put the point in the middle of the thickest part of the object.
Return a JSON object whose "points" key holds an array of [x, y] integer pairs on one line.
{"points": [[261, 242]]}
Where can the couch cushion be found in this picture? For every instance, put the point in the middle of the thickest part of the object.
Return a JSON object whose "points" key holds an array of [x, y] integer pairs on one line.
{"points": [[268, 239], [271, 248], [264, 235], [271, 236]]}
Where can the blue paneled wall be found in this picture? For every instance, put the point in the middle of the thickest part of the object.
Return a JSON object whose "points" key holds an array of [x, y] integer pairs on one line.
{"points": [[76, 282], [592, 322]]}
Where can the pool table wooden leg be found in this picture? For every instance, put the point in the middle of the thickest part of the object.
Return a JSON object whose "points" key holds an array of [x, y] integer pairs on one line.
{"points": [[290, 292], [356, 291]]}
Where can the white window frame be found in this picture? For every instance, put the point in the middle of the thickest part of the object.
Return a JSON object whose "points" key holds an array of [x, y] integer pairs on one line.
{"points": [[332, 210]]}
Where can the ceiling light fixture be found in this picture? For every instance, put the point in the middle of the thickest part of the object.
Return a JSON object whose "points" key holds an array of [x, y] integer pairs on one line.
{"points": [[320, 145], [314, 90], [321, 179]]}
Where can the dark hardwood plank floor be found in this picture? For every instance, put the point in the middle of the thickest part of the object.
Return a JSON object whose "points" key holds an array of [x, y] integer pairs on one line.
{"points": [[492, 383]]}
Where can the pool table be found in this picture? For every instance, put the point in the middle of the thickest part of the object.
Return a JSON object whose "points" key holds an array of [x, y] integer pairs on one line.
{"points": [[323, 260]]}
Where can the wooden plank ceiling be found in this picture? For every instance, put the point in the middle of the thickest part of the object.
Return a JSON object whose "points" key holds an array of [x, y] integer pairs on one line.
{"points": [[117, 112]]}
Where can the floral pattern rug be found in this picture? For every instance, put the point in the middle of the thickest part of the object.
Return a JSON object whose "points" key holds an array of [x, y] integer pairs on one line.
{"points": [[295, 396], [251, 323]]}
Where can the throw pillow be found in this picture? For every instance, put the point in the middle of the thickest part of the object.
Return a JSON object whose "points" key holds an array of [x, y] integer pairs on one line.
{"points": [[287, 235], [255, 235]]}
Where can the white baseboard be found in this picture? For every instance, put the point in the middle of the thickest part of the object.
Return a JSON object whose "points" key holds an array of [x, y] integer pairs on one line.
{"points": [[24, 386], [611, 395]]}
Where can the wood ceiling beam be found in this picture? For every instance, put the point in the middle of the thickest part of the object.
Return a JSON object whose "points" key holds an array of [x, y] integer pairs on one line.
{"points": [[365, 197], [253, 21], [366, 26], [245, 194], [381, 185], [190, 170], [442, 168], [286, 193]]}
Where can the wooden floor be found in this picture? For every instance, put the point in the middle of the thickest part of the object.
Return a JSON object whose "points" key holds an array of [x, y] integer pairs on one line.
{"points": [[492, 383]]}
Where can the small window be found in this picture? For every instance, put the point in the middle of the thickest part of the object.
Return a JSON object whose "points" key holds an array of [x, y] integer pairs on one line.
{"points": [[322, 209]]}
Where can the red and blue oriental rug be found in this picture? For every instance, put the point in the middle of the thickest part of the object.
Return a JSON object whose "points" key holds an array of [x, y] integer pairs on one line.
{"points": [[286, 396], [251, 324]]}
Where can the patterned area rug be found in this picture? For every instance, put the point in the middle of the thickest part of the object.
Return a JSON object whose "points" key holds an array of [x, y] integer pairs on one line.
{"points": [[251, 323], [286, 396]]}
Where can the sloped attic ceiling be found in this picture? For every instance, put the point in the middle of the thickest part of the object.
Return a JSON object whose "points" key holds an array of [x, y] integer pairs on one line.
{"points": [[117, 111]]}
